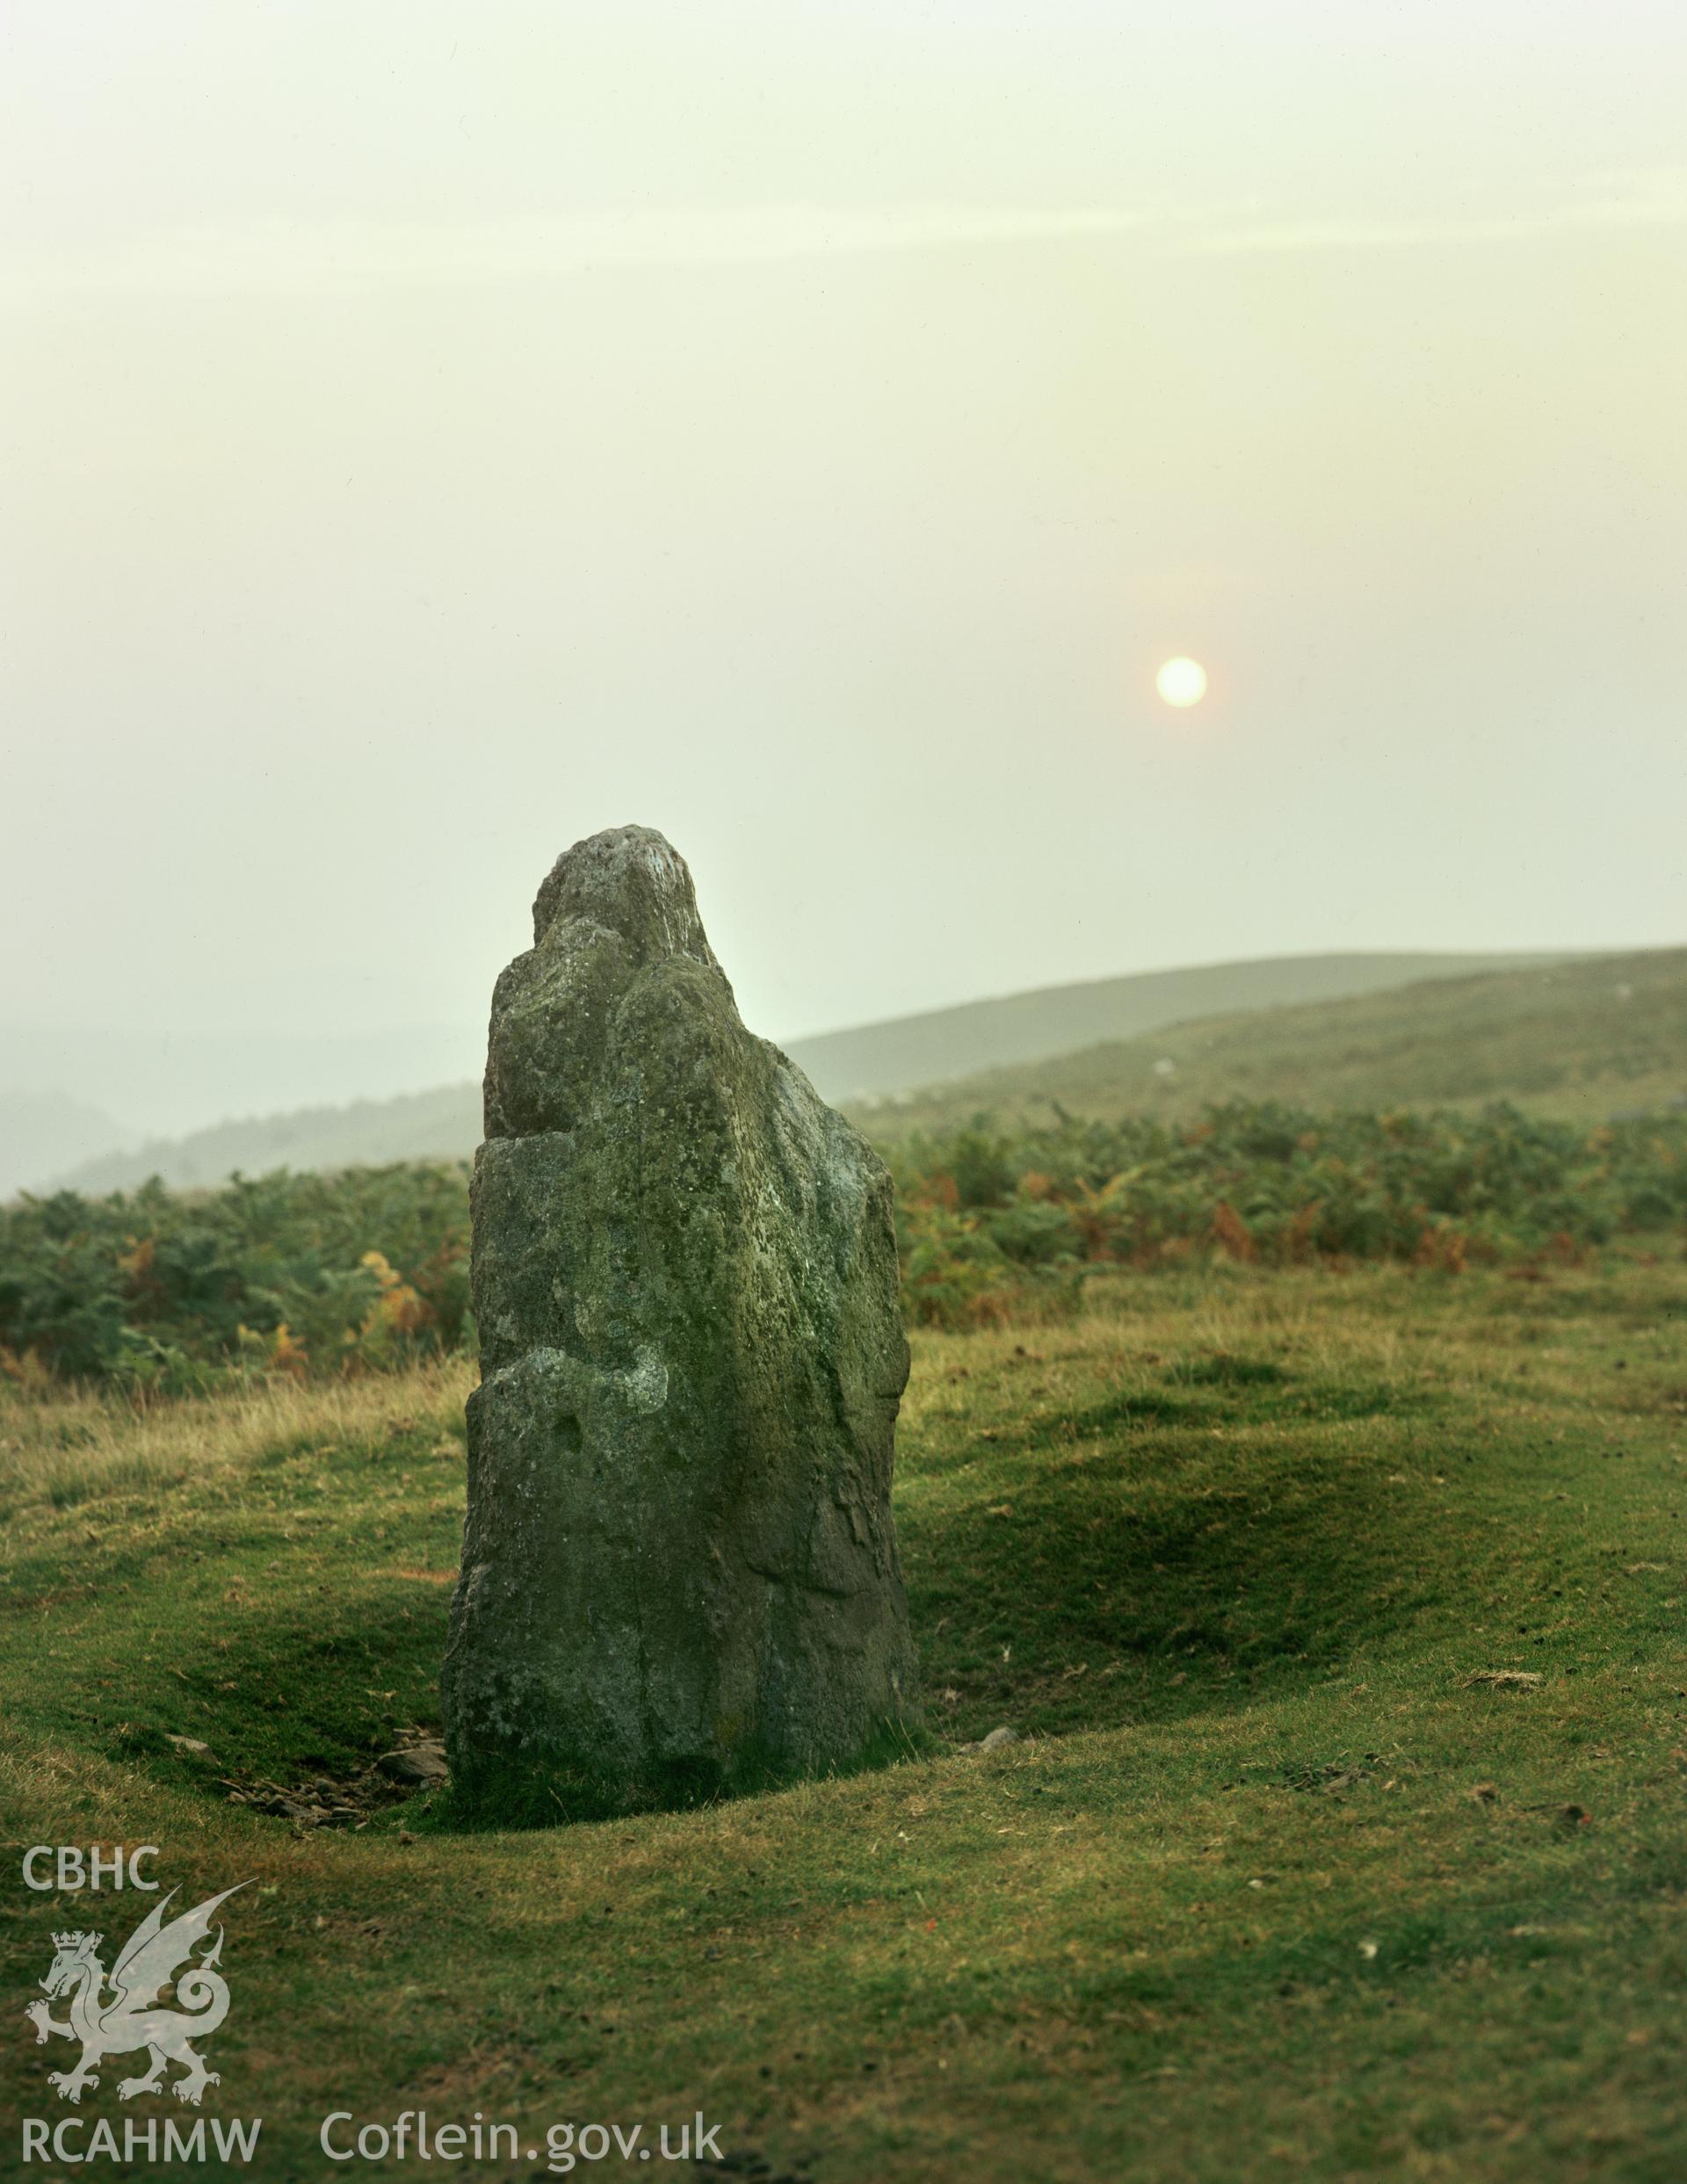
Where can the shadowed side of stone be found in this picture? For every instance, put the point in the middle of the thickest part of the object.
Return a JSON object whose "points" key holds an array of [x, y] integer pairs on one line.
{"points": [[679, 1573]]}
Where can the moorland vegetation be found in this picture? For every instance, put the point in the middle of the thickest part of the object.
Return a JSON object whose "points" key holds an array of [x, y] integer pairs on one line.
{"points": [[313, 1276]]}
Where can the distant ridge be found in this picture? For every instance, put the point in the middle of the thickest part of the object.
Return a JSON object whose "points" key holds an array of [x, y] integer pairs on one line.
{"points": [[878, 1059], [1023, 1037], [442, 1125], [43, 1132], [164, 1082]]}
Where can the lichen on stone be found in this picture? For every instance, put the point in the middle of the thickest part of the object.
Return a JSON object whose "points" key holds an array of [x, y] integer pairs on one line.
{"points": [[679, 1570]]}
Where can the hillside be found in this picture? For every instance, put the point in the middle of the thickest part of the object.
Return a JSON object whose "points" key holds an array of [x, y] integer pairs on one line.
{"points": [[877, 1058], [871, 1062], [1582, 1039], [167, 1080], [442, 1125], [42, 1132]]}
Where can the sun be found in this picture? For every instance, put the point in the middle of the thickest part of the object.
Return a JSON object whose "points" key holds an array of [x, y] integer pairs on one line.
{"points": [[1182, 681]]}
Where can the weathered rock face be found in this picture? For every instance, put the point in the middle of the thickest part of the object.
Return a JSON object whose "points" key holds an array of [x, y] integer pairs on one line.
{"points": [[679, 1573]]}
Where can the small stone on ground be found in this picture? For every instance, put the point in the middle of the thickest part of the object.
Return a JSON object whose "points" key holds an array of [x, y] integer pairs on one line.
{"points": [[998, 1741]]}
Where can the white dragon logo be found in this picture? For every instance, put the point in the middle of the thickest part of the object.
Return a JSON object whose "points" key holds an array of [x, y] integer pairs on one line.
{"points": [[154, 1954]]}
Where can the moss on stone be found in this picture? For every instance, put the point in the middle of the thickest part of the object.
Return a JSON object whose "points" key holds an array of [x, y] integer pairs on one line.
{"points": [[679, 1574]]}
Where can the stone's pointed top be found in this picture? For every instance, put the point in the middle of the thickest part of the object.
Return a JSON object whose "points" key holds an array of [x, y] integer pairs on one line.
{"points": [[632, 881]]}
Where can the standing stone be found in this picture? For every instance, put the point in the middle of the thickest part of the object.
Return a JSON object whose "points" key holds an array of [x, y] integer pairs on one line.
{"points": [[679, 1570]]}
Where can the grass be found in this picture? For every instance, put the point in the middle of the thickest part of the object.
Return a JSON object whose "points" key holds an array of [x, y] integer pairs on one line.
{"points": [[1272, 1887], [1577, 1042]]}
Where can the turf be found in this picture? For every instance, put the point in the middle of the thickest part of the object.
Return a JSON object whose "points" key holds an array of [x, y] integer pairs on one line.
{"points": [[1274, 1886]]}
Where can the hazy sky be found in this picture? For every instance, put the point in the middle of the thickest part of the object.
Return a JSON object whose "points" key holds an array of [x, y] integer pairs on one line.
{"points": [[433, 432]]}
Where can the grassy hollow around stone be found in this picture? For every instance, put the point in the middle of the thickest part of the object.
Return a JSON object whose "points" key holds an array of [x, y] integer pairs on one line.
{"points": [[1279, 1882]]}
